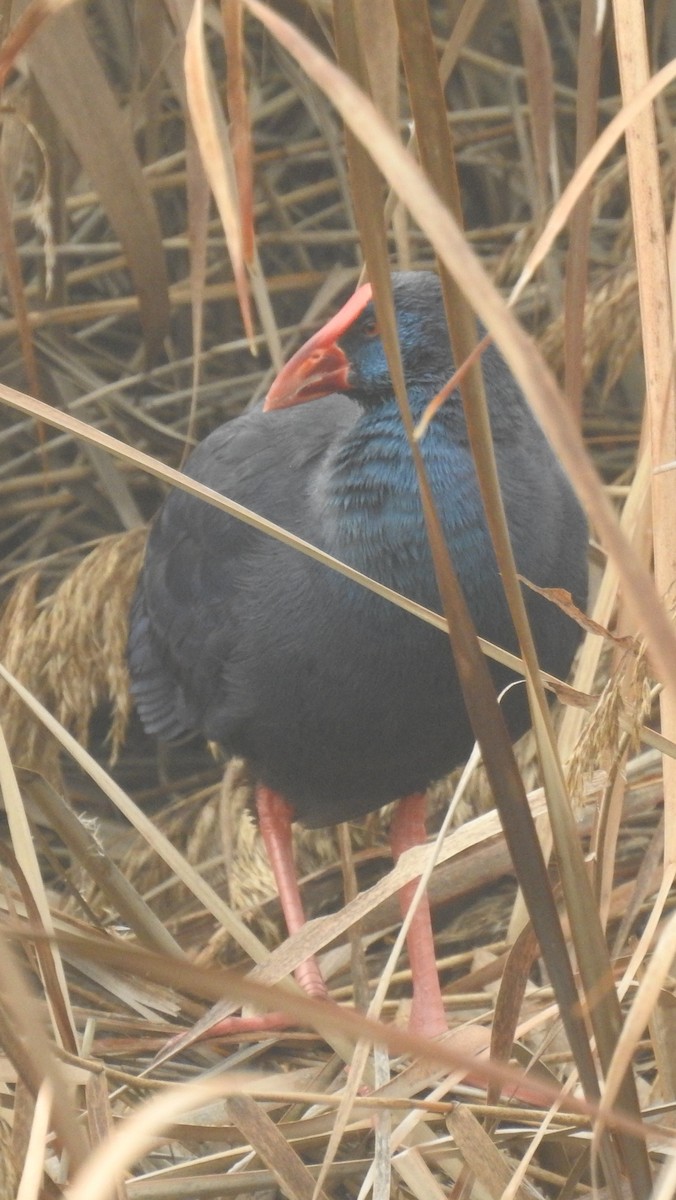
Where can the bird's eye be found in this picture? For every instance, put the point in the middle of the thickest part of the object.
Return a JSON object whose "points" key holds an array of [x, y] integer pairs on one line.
{"points": [[369, 327]]}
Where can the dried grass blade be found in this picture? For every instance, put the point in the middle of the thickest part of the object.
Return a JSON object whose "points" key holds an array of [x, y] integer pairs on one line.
{"points": [[382, 1154], [211, 135], [645, 884], [266, 314], [137, 995], [577, 258], [657, 335], [70, 76], [650, 927], [382, 55], [540, 86], [30, 1186], [665, 1184], [56, 988], [603, 849], [240, 121], [100, 1119], [11, 267], [594, 962], [512, 990], [25, 1042], [293, 1177], [414, 1171], [465, 20], [113, 483], [633, 522], [30, 20], [656, 972], [662, 1030], [52, 985], [198, 195], [358, 1067], [107, 876], [482, 1156]]}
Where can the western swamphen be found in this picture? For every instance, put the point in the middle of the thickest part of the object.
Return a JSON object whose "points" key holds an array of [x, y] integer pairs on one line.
{"points": [[338, 700]]}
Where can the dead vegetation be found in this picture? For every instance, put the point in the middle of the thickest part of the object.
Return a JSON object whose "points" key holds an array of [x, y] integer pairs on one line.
{"points": [[132, 873]]}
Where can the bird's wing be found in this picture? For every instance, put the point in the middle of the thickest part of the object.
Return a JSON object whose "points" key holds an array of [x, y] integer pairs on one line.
{"points": [[187, 608]]}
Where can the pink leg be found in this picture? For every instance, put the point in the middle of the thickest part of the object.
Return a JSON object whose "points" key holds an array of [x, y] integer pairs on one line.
{"points": [[275, 817], [427, 1014]]}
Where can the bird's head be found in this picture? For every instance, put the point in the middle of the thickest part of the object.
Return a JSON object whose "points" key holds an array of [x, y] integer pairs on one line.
{"points": [[347, 355]]}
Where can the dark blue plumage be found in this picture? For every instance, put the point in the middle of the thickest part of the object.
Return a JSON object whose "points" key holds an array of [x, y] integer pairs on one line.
{"points": [[337, 699]]}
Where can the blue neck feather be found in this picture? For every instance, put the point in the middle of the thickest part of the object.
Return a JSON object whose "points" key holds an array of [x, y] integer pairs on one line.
{"points": [[370, 503]]}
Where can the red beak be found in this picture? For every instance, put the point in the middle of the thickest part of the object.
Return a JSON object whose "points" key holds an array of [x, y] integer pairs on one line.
{"points": [[320, 366]]}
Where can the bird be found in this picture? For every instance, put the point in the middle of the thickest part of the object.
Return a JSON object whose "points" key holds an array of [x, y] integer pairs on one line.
{"points": [[338, 700]]}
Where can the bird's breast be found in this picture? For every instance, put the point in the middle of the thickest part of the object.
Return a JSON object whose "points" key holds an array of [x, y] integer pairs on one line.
{"points": [[369, 514]]}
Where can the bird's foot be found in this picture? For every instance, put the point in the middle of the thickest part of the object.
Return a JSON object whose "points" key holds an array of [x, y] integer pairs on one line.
{"points": [[310, 979], [270, 1022]]}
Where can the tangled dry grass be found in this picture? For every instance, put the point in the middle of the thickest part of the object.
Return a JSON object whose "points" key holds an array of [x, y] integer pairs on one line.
{"points": [[132, 873]]}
